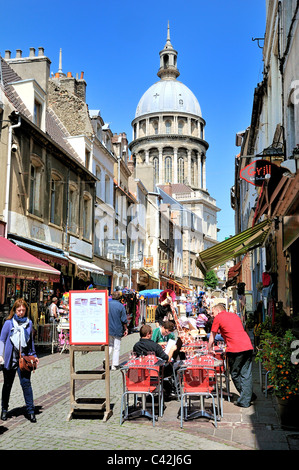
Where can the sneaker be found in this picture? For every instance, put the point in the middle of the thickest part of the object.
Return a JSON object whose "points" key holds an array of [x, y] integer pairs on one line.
{"points": [[114, 367]]}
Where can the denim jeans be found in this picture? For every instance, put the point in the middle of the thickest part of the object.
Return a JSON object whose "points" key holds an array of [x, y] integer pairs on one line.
{"points": [[24, 377], [240, 367]]}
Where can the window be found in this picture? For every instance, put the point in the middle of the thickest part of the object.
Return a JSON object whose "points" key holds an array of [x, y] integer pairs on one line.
{"points": [[168, 127], [73, 208], [56, 201], [107, 189], [98, 183], [180, 127], [87, 216], [155, 127], [168, 169], [35, 177], [180, 170], [37, 118]]}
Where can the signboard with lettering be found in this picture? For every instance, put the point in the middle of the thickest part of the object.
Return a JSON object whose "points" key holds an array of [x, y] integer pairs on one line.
{"points": [[257, 172], [115, 247]]}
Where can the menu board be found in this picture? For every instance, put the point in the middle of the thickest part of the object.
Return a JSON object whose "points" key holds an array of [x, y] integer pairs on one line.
{"points": [[88, 317]]}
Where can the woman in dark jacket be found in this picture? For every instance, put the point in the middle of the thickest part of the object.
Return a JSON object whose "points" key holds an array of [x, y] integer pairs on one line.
{"points": [[16, 333]]}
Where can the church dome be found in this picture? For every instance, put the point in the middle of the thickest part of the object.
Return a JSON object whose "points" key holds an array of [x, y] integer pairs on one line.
{"points": [[168, 95]]}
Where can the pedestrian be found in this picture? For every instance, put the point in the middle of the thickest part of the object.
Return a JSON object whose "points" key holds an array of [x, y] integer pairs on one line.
{"points": [[17, 332], [117, 327], [189, 308], [53, 310], [238, 350], [164, 311]]}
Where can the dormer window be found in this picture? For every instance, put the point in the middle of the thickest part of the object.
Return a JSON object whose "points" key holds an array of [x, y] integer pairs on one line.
{"points": [[37, 118]]}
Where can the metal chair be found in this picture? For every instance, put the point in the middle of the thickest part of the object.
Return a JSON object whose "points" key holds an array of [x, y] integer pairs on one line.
{"points": [[199, 381], [141, 380]]}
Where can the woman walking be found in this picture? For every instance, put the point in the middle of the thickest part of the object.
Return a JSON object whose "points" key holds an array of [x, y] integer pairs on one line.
{"points": [[17, 333]]}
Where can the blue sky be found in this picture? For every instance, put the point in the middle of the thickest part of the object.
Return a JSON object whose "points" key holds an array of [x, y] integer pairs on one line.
{"points": [[117, 45]]}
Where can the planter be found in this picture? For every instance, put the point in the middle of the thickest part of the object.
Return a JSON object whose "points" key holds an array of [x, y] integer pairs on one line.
{"points": [[289, 412]]}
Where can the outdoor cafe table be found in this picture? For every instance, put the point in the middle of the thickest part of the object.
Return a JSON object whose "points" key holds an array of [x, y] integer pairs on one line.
{"points": [[195, 362], [144, 362]]}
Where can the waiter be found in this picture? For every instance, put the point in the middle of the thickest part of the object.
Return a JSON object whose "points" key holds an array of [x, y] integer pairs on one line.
{"points": [[238, 350]]}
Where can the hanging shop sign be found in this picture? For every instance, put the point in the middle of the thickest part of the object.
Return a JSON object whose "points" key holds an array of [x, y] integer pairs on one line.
{"points": [[257, 172], [115, 247]]}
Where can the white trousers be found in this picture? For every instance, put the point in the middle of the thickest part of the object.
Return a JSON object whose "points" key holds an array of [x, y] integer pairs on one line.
{"points": [[114, 349]]}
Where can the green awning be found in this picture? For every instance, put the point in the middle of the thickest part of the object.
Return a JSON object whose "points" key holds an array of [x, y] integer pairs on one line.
{"points": [[233, 247]]}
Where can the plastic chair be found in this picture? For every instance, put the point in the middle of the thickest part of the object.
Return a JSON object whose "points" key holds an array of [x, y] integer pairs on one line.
{"points": [[198, 381], [141, 381]]}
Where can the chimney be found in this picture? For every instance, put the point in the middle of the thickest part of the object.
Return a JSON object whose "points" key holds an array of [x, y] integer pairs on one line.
{"points": [[167, 188], [31, 67]]}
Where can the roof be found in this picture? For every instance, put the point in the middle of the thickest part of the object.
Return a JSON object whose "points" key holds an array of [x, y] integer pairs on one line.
{"points": [[54, 127], [168, 95]]}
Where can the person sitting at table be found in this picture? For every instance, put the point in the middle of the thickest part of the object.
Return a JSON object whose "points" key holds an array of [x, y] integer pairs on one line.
{"points": [[163, 333], [146, 345]]}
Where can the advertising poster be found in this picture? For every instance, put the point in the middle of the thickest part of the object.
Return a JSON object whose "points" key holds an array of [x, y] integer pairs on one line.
{"points": [[88, 316]]}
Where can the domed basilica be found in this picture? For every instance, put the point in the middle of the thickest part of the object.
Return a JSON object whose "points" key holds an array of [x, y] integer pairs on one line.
{"points": [[169, 147], [168, 129]]}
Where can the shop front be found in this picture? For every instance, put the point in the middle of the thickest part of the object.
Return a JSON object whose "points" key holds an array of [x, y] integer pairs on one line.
{"points": [[24, 275]]}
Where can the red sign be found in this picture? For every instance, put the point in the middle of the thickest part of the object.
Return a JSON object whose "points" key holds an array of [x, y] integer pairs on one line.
{"points": [[256, 172]]}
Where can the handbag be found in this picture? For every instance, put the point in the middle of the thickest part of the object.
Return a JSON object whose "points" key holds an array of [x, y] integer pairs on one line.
{"points": [[28, 363]]}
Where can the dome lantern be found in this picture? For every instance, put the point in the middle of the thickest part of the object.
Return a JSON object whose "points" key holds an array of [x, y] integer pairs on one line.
{"points": [[168, 60]]}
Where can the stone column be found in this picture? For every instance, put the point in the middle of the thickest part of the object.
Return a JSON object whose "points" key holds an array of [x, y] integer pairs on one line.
{"points": [[146, 156], [199, 170], [203, 172], [189, 167]]}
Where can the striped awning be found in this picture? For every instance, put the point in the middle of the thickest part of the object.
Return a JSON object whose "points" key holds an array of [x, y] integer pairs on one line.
{"points": [[233, 247]]}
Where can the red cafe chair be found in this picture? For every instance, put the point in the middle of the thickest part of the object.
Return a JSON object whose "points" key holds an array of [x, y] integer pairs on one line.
{"points": [[196, 381], [141, 381]]}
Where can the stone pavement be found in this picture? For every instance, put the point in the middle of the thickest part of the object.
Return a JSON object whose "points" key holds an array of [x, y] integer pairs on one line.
{"points": [[254, 428]]}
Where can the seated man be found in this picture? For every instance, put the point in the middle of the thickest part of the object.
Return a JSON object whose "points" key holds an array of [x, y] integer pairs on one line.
{"points": [[146, 344], [163, 333]]}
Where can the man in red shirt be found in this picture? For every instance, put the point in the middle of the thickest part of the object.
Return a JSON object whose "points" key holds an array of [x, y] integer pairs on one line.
{"points": [[238, 349]]}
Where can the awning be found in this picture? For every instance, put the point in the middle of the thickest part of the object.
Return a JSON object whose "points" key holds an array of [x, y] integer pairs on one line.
{"points": [[44, 253], [16, 262], [86, 266], [233, 247], [150, 275]]}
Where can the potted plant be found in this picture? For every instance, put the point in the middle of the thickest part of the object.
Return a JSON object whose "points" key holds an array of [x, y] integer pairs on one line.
{"points": [[278, 357]]}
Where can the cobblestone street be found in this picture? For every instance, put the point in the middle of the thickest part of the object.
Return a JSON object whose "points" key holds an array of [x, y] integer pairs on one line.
{"points": [[254, 428]]}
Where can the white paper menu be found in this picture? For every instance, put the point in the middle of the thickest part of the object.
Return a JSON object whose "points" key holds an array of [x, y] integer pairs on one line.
{"points": [[88, 317]]}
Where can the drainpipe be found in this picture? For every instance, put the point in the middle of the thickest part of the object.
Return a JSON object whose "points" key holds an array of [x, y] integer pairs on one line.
{"points": [[7, 191]]}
